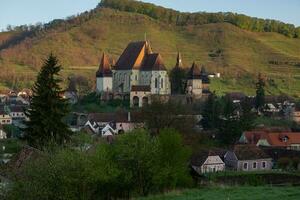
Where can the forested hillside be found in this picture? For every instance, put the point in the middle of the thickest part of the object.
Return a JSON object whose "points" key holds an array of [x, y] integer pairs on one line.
{"points": [[183, 19], [221, 45]]}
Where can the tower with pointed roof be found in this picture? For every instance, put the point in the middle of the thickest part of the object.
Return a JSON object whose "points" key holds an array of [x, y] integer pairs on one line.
{"points": [[178, 77], [104, 76], [194, 81]]}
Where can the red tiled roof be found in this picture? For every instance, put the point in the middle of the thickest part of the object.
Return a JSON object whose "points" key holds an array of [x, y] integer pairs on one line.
{"points": [[153, 62], [273, 138], [138, 55], [104, 67], [128, 58]]}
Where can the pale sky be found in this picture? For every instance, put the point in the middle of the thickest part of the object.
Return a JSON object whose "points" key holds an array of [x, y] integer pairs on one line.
{"points": [[18, 12]]}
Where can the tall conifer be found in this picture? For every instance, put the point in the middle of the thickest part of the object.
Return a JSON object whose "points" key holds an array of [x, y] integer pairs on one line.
{"points": [[47, 109]]}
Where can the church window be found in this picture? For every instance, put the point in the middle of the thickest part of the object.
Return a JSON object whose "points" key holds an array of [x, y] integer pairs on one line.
{"points": [[156, 83], [162, 83]]}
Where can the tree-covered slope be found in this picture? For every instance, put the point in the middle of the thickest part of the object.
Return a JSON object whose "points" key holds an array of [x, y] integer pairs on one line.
{"points": [[238, 54]]}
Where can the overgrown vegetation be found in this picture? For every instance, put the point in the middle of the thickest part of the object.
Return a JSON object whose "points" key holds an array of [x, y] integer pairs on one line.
{"points": [[232, 193], [136, 164], [184, 19]]}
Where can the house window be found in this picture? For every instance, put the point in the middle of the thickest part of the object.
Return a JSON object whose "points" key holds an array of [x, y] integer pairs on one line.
{"points": [[162, 83], [264, 164], [254, 165], [156, 83], [245, 166]]}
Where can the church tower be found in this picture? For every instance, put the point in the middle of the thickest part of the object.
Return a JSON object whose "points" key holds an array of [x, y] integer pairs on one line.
{"points": [[194, 81], [104, 76], [178, 81]]}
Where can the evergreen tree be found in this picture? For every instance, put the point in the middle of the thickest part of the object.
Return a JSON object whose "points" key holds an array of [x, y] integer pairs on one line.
{"points": [[178, 80], [260, 92], [47, 109], [211, 112]]}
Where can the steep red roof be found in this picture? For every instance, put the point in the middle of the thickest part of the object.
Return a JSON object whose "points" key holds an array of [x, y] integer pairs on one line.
{"points": [[153, 62], [130, 55], [138, 55], [104, 67]]}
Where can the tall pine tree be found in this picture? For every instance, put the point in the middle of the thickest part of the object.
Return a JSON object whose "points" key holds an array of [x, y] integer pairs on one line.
{"points": [[47, 109], [260, 92]]}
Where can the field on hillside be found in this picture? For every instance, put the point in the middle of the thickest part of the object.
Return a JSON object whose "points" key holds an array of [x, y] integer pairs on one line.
{"points": [[237, 54], [232, 193]]}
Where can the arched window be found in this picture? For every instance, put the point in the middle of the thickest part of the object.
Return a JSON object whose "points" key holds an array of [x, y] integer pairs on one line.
{"points": [[156, 83], [162, 83]]}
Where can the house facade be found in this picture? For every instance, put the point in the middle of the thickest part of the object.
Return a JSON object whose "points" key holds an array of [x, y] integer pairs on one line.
{"points": [[207, 162], [248, 158]]}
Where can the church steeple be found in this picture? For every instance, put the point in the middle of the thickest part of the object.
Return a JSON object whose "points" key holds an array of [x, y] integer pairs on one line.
{"points": [[179, 61], [104, 67]]}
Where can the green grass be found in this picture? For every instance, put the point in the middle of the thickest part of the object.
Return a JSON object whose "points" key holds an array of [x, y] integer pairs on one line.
{"points": [[232, 193]]}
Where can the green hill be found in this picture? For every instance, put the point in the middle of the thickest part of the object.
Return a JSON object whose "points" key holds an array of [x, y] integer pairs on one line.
{"points": [[238, 54]]}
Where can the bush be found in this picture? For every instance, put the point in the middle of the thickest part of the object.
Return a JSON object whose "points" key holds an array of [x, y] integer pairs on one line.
{"points": [[136, 164]]}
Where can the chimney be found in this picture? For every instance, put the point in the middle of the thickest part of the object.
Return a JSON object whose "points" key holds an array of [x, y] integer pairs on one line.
{"points": [[129, 117]]}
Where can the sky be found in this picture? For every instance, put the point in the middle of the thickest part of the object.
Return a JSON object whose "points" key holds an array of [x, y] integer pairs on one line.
{"points": [[18, 12]]}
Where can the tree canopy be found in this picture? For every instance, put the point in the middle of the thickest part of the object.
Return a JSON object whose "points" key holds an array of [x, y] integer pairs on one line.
{"points": [[179, 18], [47, 109]]}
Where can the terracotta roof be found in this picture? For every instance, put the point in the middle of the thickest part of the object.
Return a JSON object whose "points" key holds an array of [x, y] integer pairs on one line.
{"points": [[104, 67], [153, 62], [141, 88], [138, 55], [129, 57], [249, 152], [278, 139], [274, 139]]}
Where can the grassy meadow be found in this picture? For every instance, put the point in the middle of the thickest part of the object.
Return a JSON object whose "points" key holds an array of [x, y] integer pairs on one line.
{"points": [[232, 193]]}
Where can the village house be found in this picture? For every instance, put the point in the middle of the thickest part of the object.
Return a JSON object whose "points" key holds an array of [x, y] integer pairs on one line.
{"points": [[5, 118], [247, 158], [17, 112], [208, 162], [115, 123], [287, 140]]}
